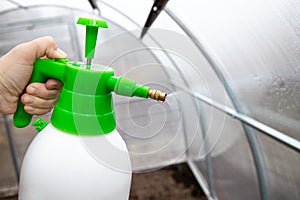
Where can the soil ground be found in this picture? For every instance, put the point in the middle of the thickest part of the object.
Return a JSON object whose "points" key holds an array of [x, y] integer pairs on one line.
{"points": [[174, 182]]}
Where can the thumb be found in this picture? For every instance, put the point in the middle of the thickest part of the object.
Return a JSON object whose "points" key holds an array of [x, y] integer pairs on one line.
{"points": [[44, 46]]}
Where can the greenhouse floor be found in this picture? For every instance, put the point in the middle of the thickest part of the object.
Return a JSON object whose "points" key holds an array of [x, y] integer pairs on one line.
{"points": [[174, 182]]}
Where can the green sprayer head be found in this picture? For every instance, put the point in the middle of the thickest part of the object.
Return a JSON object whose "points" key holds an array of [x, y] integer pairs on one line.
{"points": [[85, 104]]}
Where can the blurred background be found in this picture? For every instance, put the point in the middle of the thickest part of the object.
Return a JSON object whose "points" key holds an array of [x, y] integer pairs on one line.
{"points": [[230, 68]]}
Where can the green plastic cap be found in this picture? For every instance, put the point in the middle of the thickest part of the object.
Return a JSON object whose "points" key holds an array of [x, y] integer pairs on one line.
{"points": [[92, 26]]}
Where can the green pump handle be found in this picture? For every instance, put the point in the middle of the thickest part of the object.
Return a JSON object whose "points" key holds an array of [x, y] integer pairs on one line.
{"points": [[60, 69], [42, 70]]}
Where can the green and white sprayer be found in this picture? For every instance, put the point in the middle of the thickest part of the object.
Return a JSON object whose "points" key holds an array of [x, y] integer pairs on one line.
{"points": [[79, 154]]}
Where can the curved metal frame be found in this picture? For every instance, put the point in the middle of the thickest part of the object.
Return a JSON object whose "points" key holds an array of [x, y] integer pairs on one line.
{"points": [[216, 68]]}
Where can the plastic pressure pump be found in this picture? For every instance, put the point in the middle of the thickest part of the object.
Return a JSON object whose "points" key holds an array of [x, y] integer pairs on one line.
{"points": [[86, 96]]}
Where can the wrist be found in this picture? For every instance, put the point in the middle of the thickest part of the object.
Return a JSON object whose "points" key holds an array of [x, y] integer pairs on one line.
{"points": [[7, 100]]}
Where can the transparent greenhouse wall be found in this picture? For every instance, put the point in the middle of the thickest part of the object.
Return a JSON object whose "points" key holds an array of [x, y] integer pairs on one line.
{"points": [[233, 173], [8, 180], [281, 167], [261, 59], [257, 44], [256, 47]]}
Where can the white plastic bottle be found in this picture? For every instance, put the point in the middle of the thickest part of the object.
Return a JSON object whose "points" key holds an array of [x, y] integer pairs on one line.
{"points": [[62, 166]]}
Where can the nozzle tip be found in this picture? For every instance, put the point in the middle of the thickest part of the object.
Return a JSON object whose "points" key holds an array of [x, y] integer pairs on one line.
{"points": [[157, 95]]}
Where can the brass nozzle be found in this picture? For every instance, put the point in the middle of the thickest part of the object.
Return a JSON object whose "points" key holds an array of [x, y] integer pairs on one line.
{"points": [[157, 95]]}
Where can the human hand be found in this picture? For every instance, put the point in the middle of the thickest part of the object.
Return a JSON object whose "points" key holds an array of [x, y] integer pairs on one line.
{"points": [[15, 71]]}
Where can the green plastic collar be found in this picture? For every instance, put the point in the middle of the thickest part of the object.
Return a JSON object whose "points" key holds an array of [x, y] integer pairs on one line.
{"points": [[85, 105]]}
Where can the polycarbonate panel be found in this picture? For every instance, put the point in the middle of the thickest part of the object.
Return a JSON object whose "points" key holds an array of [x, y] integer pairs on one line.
{"points": [[233, 173], [152, 130], [281, 168], [24, 4], [272, 73], [134, 9], [41, 21], [5, 5], [257, 45], [174, 67], [8, 177], [183, 57], [171, 46]]}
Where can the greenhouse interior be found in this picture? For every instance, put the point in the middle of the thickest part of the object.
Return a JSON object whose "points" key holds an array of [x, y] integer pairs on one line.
{"points": [[229, 126]]}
